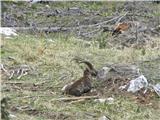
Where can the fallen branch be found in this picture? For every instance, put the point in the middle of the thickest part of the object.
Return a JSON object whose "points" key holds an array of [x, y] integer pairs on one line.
{"points": [[121, 17], [91, 32], [41, 83], [75, 98], [63, 99], [14, 83], [64, 29], [77, 101], [139, 15], [34, 96], [104, 22]]}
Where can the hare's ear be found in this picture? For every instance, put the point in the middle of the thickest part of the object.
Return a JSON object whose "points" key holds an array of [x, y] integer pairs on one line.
{"points": [[88, 68], [77, 59], [85, 68], [89, 65]]}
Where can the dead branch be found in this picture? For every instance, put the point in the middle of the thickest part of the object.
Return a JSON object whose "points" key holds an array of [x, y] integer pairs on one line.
{"points": [[94, 31], [13, 83], [77, 101], [34, 96], [41, 83], [75, 98], [63, 99], [121, 17], [139, 15], [58, 29], [104, 22]]}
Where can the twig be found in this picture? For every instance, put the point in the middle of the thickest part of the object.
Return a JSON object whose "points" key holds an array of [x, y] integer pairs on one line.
{"points": [[104, 22], [90, 114], [136, 34], [14, 83], [75, 98], [91, 32], [148, 60], [62, 99], [57, 29], [121, 18], [139, 15], [35, 96], [77, 101], [41, 83]]}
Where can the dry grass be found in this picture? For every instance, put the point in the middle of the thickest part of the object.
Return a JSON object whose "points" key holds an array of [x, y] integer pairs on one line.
{"points": [[54, 66]]}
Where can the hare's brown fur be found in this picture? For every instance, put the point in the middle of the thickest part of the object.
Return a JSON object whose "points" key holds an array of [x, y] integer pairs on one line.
{"points": [[83, 85]]}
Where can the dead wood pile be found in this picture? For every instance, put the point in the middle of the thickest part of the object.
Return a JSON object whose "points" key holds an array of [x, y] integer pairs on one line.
{"points": [[88, 24]]}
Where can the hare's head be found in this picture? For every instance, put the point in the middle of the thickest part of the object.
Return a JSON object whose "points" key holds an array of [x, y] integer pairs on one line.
{"points": [[90, 69]]}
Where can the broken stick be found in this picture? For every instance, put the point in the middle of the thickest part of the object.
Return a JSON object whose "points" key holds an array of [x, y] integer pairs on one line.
{"points": [[75, 98]]}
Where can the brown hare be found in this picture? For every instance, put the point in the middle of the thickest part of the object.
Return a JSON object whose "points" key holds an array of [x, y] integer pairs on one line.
{"points": [[83, 85]]}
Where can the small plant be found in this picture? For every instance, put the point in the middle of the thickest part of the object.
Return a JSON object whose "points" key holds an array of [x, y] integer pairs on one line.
{"points": [[102, 41]]}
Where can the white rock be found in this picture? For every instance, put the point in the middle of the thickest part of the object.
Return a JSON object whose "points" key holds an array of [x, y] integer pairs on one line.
{"points": [[12, 116], [8, 31], [47, 6], [50, 40], [157, 88], [110, 100], [103, 72], [101, 100], [122, 87], [34, 1], [103, 118], [137, 84]]}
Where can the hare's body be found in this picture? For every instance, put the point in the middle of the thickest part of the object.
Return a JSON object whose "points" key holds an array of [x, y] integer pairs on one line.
{"points": [[83, 85]]}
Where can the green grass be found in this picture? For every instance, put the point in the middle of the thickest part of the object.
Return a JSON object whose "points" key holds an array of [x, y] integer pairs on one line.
{"points": [[54, 65]]}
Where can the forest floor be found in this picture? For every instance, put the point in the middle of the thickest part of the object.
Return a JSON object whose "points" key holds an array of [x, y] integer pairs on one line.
{"points": [[49, 57], [32, 96]]}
